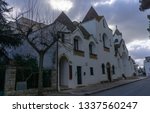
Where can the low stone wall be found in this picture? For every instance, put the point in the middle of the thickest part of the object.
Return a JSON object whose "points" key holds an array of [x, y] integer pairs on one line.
{"points": [[54, 79], [10, 79], [10, 84], [32, 92]]}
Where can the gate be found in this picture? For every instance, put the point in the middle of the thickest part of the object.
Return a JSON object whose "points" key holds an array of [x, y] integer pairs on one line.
{"points": [[29, 77]]}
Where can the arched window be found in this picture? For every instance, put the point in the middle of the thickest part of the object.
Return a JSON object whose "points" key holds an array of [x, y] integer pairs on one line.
{"points": [[91, 48], [116, 40], [106, 41], [113, 69], [103, 68], [77, 43], [78, 46], [104, 24]]}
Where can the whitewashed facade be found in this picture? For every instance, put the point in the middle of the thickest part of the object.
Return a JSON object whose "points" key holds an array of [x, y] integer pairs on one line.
{"points": [[147, 66], [96, 58], [95, 54]]}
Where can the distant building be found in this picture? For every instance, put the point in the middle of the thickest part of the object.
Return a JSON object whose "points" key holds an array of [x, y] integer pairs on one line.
{"points": [[147, 66]]}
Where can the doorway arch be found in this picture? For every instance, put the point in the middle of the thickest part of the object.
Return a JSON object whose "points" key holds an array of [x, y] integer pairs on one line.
{"points": [[63, 71]]}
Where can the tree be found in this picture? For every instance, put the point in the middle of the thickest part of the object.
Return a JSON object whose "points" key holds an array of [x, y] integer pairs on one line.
{"points": [[145, 4], [41, 37], [8, 38]]}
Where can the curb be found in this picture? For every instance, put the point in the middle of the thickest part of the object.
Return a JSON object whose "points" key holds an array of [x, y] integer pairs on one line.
{"points": [[92, 92], [105, 89]]}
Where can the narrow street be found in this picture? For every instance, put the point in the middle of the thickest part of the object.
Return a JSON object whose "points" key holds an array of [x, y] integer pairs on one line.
{"points": [[139, 88]]}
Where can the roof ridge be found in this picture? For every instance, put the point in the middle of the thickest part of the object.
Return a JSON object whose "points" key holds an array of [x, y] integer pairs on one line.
{"points": [[64, 19], [84, 31], [117, 32], [91, 14]]}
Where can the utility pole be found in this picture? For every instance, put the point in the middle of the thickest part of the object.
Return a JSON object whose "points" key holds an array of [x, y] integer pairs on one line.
{"points": [[58, 88], [59, 35]]}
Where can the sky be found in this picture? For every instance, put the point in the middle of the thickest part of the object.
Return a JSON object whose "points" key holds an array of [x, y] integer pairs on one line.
{"points": [[124, 13]]}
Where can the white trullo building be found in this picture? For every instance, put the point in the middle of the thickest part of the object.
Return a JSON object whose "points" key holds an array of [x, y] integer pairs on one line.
{"points": [[98, 54], [95, 54]]}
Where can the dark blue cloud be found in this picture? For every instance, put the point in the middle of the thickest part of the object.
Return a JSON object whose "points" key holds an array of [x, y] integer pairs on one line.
{"points": [[123, 13]]}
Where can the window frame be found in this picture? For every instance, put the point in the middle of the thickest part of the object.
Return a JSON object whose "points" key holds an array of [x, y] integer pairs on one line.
{"points": [[90, 48], [91, 71], [103, 69], [113, 69], [76, 44], [63, 38], [106, 42]]}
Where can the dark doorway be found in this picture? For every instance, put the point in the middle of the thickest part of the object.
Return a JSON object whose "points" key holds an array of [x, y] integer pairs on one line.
{"points": [[2, 78], [108, 66], [79, 75]]}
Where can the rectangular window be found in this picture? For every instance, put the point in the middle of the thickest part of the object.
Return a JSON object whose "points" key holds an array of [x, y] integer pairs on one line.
{"points": [[113, 70], [70, 72], [103, 69], [91, 71], [76, 46]]}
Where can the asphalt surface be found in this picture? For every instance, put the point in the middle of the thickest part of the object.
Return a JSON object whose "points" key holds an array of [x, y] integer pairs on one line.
{"points": [[139, 88], [1, 93]]}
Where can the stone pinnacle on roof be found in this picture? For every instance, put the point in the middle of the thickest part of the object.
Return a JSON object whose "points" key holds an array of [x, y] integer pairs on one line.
{"points": [[117, 32], [64, 19], [90, 15]]}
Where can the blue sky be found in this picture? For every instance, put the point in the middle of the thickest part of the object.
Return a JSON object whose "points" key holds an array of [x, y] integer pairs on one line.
{"points": [[123, 13]]}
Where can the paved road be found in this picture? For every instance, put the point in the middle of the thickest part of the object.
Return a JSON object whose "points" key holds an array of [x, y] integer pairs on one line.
{"points": [[139, 88], [1, 93]]}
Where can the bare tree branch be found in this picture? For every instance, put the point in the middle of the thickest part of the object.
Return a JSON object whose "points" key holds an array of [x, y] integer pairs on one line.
{"points": [[39, 36]]}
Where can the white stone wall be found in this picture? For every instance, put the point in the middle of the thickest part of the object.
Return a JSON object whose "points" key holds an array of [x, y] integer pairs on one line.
{"points": [[147, 68]]}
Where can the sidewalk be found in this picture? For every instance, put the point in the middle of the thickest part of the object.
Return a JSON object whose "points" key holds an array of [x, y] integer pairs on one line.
{"points": [[90, 89]]}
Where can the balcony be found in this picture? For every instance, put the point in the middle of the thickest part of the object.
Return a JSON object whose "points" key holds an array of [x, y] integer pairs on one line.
{"points": [[79, 53], [93, 56]]}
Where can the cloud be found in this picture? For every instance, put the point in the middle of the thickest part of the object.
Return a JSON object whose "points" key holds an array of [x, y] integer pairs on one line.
{"points": [[103, 2], [139, 49], [62, 5], [126, 15], [123, 13], [139, 62]]}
